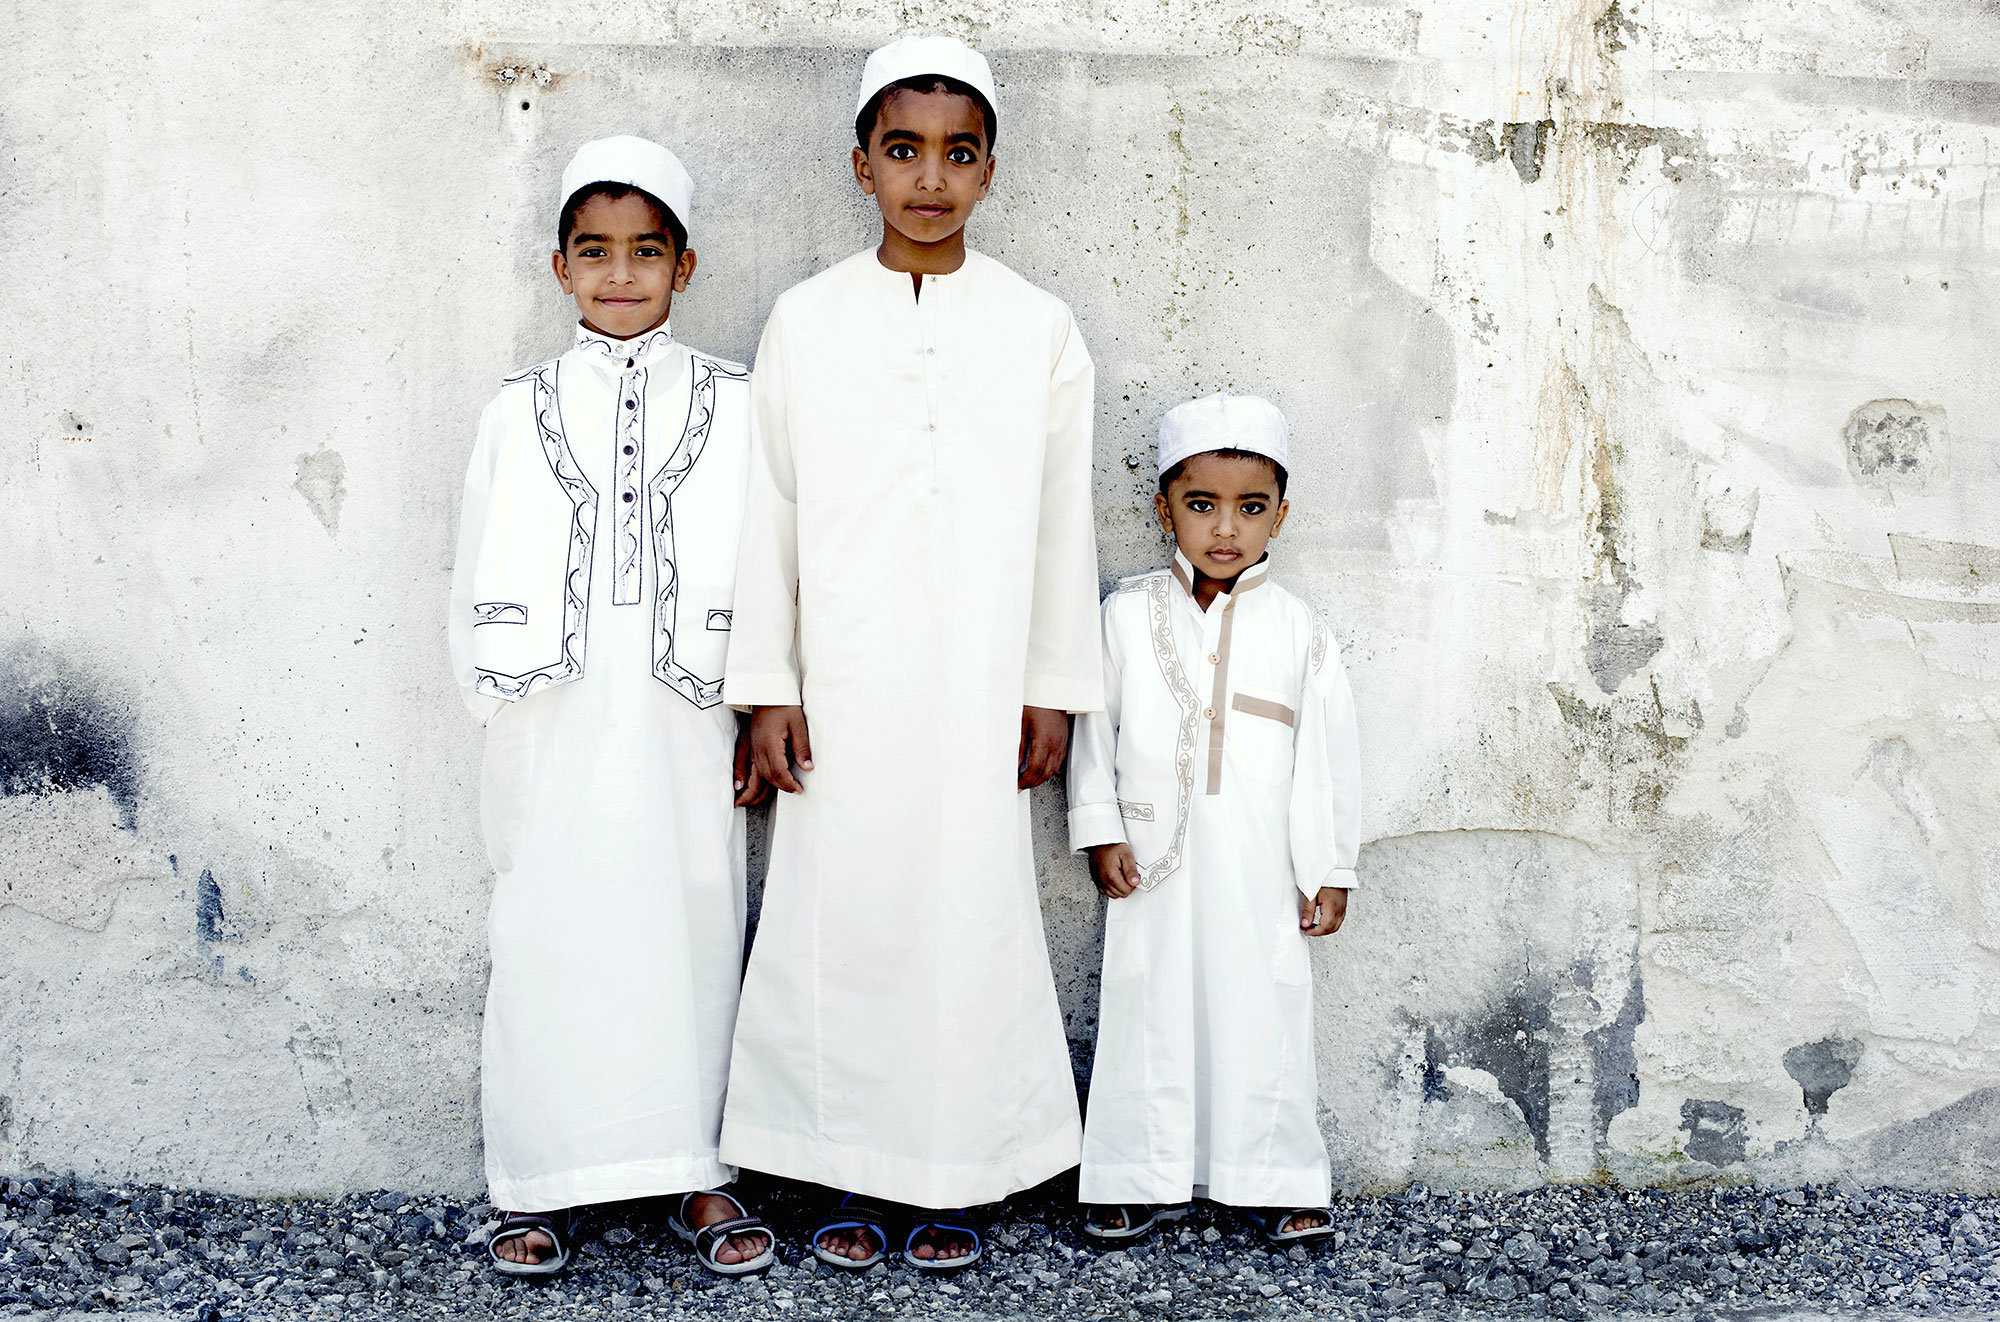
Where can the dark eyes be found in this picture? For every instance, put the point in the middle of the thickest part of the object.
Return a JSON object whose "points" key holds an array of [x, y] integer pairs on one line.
{"points": [[903, 151], [1253, 507], [962, 156], [1201, 506], [899, 151]]}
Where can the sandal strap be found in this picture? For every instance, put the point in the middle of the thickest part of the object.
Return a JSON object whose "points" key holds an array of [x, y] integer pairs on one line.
{"points": [[708, 1237]]}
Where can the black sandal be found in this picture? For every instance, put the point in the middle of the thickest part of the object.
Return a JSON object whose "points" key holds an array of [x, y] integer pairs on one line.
{"points": [[707, 1239], [952, 1222], [853, 1213], [559, 1226]]}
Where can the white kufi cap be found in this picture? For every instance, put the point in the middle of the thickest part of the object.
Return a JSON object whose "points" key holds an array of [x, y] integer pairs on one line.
{"points": [[913, 57], [634, 161], [1225, 422]]}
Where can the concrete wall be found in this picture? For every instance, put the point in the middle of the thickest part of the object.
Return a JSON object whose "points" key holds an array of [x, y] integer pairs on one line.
{"points": [[1640, 360]]}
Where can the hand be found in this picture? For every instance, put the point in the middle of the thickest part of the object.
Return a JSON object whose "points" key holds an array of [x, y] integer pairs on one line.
{"points": [[1322, 914], [1044, 740], [1114, 869], [751, 788], [778, 740]]}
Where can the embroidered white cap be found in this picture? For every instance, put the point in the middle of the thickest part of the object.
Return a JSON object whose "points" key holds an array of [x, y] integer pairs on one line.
{"points": [[1225, 422], [912, 57], [633, 161]]}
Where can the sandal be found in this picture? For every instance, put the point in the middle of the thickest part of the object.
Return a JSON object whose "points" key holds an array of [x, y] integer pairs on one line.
{"points": [[1275, 1224], [559, 1226], [853, 1212], [707, 1239], [953, 1221], [1139, 1220]]}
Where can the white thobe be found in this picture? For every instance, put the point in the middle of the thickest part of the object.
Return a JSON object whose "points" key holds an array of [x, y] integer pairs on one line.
{"points": [[1225, 756], [617, 918], [918, 563]]}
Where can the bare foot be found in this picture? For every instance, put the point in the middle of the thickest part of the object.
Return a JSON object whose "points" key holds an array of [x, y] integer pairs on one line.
{"points": [[1306, 1218], [853, 1242], [531, 1248], [706, 1209], [1106, 1217], [940, 1245]]}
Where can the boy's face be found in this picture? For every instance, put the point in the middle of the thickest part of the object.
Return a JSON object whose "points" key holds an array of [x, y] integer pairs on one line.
{"points": [[619, 266], [927, 163], [1223, 510]]}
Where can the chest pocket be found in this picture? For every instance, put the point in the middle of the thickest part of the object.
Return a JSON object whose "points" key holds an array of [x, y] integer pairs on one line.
{"points": [[1259, 734]]}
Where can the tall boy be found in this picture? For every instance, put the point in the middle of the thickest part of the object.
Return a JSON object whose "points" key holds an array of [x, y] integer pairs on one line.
{"points": [[602, 507], [1217, 794], [915, 615]]}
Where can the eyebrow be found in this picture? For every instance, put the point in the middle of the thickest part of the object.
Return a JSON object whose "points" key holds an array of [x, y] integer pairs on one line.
{"points": [[911, 135], [1210, 495], [650, 237]]}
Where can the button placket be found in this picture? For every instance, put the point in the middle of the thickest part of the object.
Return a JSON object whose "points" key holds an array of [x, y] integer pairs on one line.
{"points": [[629, 437]]}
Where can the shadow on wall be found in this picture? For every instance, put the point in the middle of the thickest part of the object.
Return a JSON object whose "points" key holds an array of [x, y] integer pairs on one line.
{"points": [[1476, 1022], [60, 732]]}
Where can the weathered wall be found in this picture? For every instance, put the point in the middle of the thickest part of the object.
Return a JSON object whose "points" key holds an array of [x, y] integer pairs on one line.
{"points": [[1639, 359]]}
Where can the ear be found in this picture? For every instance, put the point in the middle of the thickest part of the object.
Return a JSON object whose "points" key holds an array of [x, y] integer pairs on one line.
{"points": [[1165, 511], [985, 180], [684, 271], [560, 265], [1284, 508], [863, 175]]}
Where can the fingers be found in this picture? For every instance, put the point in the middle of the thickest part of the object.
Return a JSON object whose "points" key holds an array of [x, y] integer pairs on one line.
{"points": [[777, 735], [1044, 740], [1322, 914], [802, 744], [742, 768], [751, 788], [1115, 871]]}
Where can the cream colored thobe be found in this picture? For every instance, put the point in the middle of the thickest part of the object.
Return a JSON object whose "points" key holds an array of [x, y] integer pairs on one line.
{"points": [[602, 507], [1225, 756], [918, 563]]}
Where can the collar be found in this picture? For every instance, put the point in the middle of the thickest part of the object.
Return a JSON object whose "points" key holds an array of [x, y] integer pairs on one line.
{"points": [[1253, 577], [625, 355]]}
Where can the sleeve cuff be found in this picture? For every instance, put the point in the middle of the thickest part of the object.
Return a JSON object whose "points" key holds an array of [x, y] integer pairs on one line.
{"points": [[744, 691], [1095, 824], [1338, 878], [1064, 693]]}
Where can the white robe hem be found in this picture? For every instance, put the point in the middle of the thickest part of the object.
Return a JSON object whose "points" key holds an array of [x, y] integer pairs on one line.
{"points": [[916, 1181], [1233, 1186], [607, 1184]]}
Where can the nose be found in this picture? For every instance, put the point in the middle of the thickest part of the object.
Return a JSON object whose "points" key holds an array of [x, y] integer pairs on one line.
{"points": [[1225, 522], [621, 269], [931, 176]]}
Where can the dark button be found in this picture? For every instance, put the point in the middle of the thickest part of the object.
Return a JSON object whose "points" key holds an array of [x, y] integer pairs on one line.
{"points": [[631, 403], [628, 449], [628, 498], [628, 362]]}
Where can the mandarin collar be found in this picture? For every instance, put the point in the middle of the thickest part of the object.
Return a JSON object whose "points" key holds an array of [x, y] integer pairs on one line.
{"points": [[1250, 578], [625, 355]]}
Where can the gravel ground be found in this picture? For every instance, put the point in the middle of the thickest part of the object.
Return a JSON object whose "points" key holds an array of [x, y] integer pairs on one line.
{"points": [[68, 1246]]}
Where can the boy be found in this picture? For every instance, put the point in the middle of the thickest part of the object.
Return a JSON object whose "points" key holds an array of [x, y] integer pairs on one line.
{"points": [[1221, 773], [603, 504], [915, 615]]}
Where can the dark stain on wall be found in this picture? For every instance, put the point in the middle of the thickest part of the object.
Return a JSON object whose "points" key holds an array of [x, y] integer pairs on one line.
{"points": [[1896, 442], [1616, 651], [1822, 1069], [1512, 1044], [60, 731], [1614, 1062], [208, 916], [1715, 1132]]}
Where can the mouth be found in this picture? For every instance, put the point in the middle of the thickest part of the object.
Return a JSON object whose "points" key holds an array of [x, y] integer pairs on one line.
{"points": [[930, 211], [1225, 554], [621, 302]]}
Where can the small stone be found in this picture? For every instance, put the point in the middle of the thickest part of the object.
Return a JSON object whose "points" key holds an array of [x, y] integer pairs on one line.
{"points": [[387, 1202], [1268, 1290], [618, 1235], [1393, 1296], [1793, 1197], [112, 1255], [901, 1292], [1210, 1235]]}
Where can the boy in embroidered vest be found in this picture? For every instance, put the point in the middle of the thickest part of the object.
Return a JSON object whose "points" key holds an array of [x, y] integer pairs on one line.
{"points": [[602, 506], [915, 615], [1217, 795]]}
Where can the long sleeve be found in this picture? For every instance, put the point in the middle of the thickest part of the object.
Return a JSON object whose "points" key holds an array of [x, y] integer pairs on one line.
{"points": [[763, 666], [1093, 757], [471, 532], [1064, 670], [1326, 777]]}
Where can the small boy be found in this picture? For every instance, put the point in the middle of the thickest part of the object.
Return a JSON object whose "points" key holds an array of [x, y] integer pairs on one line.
{"points": [[1221, 775], [918, 582], [603, 504]]}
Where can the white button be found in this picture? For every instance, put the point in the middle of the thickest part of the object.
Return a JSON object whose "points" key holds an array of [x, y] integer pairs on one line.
{"points": [[930, 426], [1209, 715], [1214, 659]]}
